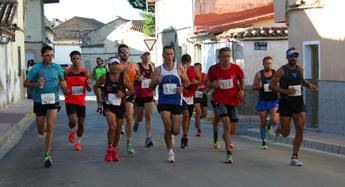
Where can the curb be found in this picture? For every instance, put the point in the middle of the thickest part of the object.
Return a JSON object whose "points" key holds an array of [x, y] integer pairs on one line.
{"points": [[11, 137], [336, 149]]}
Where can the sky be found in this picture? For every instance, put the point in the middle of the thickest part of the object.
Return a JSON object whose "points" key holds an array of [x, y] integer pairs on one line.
{"points": [[101, 10]]}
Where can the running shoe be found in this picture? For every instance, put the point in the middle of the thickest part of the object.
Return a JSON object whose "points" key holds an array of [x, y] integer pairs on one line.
{"points": [[184, 142], [264, 145], [108, 155], [71, 137], [228, 159], [269, 129], [115, 156], [148, 142], [77, 146], [130, 149], [295, 162], [216, 144], [135, 127], [198, 133], [277, 131], [47, 161], [171, 158]]}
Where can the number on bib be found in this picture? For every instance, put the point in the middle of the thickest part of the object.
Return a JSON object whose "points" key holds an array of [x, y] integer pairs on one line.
{"points": [[266, 88], [298, 89], [113, 99], [226, 84], [48, 98], [188, 100], [145, 83], [199, 94], [169, 89], [77, 90]]}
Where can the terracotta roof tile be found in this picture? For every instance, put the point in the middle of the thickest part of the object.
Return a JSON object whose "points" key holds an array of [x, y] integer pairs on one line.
{"points": [[215, 23]]}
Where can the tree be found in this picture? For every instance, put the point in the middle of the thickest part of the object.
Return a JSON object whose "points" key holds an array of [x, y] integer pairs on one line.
{"points": [[149, 23], [141, 4]]}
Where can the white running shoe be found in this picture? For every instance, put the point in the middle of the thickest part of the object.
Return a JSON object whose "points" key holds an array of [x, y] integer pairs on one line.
{"points": [[171, 158], [228, 159], [295, 162]]}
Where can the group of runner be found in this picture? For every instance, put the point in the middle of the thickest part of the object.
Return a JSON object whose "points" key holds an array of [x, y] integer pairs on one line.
{"points": [[123, 88]]}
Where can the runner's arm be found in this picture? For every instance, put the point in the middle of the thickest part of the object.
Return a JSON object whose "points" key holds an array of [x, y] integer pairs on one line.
{"points": [[183, 75], [97, 88], [156, 78], [257, 82], [88, 82]]}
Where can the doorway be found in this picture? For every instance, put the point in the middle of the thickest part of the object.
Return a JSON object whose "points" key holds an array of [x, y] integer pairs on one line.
{"points": [[311, 63]]}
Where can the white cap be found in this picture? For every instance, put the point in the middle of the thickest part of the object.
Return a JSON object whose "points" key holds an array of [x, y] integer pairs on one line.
{"points": [[113, 60]]}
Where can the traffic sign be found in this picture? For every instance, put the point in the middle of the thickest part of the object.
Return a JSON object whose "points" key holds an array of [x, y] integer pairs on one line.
{"points": [[150, 43]]}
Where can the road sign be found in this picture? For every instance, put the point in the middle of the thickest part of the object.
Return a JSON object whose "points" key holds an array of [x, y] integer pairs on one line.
{"points": [[150, 43]]}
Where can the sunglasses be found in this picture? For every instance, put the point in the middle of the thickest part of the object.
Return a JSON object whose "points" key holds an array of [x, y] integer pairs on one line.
{"points": [[48, 54], [124, 52]]}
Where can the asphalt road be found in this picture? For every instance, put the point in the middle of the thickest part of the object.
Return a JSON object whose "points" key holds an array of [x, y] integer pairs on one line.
{"points": [[198, 165]]}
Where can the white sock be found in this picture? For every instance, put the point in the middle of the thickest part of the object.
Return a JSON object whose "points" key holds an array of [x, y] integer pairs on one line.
{"points": [[78, 139]]}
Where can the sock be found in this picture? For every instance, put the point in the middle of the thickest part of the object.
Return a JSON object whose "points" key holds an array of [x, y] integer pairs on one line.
{"points": [[170, 151], [110, 146], [228, 152], [263, 134], [73, 129], [294, 156], [215, 135], [129, 139], [78, 139]]}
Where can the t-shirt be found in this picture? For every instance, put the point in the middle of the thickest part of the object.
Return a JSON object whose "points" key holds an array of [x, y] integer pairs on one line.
{"points": [[190, 90], [228, 92], [51, 74]]}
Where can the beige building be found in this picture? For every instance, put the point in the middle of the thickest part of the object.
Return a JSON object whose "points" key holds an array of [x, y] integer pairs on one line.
{"points": [[316, 29]]}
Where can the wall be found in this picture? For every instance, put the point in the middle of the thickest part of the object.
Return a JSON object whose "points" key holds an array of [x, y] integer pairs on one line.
{"points": [[34, 21], [174, 22]]}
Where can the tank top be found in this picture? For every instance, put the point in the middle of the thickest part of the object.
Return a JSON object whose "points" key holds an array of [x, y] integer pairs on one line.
{"points": [[142, 87], [292, 78], [111, 88], [167, 87], [265, 93], [76, 86], [100, 71]]}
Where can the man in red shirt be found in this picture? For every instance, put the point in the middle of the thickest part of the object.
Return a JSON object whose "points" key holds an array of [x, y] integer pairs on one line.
{"points": [[188, 97], [78, 81], [227, 81]]}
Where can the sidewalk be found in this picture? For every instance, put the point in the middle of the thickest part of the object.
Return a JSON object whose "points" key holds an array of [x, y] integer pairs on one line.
{"points": [[14, 120], [313, 139]]}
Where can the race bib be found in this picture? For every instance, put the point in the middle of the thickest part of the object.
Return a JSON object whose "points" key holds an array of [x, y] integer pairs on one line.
{"points": [[113, 99], [298, 89], [48, 98], [145, 83], [226, 84], [188, 100], [266, 88], [199, 94], [169, 89], [77, 90]]}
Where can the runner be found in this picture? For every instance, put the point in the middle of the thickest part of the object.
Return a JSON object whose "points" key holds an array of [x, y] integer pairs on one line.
{"points": [[227, 81], [115, 84], [144, 97], [188, 97], [97, 72], [268, 100], [44, 79], [291, 105], [130, 70], [200, 100], [171, 79], [78, 81]]}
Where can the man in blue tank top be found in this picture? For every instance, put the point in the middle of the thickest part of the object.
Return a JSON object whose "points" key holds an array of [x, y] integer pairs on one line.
{"points": [[171, 78], [291, 106], [268, 100]]}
